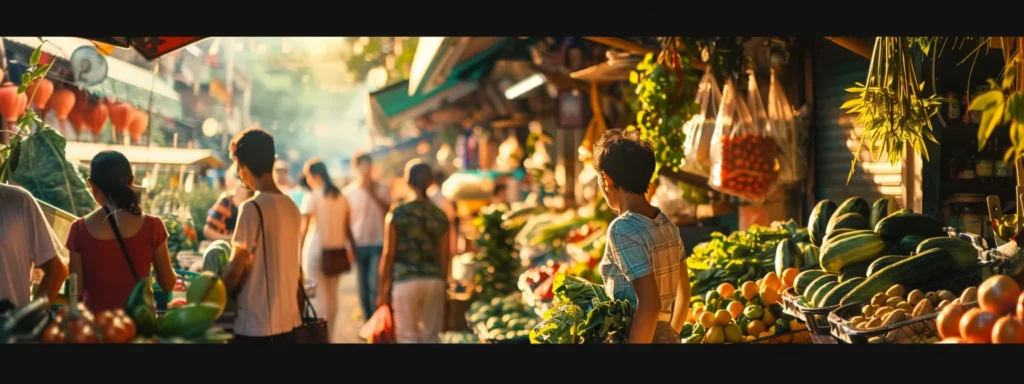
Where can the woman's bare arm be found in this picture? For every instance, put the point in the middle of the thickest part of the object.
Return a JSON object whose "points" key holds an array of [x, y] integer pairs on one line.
{"points": [[387, 261], [165, 275]]}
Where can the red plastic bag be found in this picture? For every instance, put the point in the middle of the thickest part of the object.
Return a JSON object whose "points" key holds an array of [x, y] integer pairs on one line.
{"points": [[380, 329]]}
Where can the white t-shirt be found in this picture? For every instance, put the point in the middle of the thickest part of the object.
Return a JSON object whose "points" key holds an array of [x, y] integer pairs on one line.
{"points": [[26, 241], [281, 223], [367, 215], [328, 228]]}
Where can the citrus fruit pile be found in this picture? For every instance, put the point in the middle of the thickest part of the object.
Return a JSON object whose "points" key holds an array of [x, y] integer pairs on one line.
{"points": [[728, 315], [998, 319]]}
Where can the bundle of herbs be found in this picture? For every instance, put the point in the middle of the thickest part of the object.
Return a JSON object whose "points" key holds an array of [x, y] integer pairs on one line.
{"points": [[583, 314], [890, 106]]}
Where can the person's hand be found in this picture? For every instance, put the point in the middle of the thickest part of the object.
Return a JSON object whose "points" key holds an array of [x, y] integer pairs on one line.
{"points": [[351, 253]]}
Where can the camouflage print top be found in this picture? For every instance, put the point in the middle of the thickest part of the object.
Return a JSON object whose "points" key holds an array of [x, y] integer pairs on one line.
{"points": [[420, 225]]}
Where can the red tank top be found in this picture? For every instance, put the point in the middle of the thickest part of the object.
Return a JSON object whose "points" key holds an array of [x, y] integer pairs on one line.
{"points": [[106, 275]]}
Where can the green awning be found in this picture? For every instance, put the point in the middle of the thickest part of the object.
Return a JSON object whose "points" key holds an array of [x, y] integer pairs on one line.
{"points": [[392, 105], [438, 59]]}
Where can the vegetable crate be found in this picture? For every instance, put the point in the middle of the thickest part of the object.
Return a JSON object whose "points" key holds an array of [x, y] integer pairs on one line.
{"points": [[817, 322], [921, 330], [789, 297], [802, 336]]}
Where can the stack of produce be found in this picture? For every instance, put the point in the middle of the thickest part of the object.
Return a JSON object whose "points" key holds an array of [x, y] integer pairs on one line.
{"points": [[583, 314], [188, 323], [498, 266], [502, 318], [998, 319], [739, 257], [728, 315], [216, 257], [856, 263]]}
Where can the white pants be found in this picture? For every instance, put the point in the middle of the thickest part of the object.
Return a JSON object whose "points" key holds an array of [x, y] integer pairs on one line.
{"points": [[417, 308]]}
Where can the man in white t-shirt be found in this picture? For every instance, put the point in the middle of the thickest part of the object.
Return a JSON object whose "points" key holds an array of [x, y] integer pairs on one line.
{"points": [[26, 241], [265, 259], [369, 201]]}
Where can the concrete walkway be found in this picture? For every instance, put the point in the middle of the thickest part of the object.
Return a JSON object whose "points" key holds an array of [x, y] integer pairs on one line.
{"points": [[349, 318]]}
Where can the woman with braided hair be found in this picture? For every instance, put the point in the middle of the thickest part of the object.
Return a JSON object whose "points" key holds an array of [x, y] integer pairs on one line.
{"points": [[115, 246]]}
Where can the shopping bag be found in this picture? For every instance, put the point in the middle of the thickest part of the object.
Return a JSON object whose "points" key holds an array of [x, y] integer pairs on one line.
{"points": [[743, 155], [379, 329], [788, 132], [701, 127]]}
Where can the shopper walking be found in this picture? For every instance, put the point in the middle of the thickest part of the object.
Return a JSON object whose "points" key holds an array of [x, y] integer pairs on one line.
{"points": [[414, 267], [26, 242], [369, 201], [325, 230], [264, 269], [115, 246]]}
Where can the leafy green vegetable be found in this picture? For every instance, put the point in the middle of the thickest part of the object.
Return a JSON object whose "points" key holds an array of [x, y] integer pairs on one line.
{"points": [[496, 275], [741, 256], [583, 314], [44, 171]]}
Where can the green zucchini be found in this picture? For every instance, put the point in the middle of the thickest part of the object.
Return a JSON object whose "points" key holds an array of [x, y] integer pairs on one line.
{"points": [[854, 204], [879, 210], [965, 255], [811, 256], [897, 226], [883, 262], [833, 297], [817, 223], [851, 250], [817, 283], [820, 293], [787, 255], [913, 271], [908, 245], [844, 234], [847, 221], [804, 279], [854, 270]]}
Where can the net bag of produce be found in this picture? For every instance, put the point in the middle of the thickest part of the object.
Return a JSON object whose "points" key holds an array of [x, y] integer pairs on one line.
{"points": [[788, 133], [743, 154], [700, 128]]}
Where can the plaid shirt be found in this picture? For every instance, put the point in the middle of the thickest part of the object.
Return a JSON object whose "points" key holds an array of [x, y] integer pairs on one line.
{"points": [[637, 247], [222, 216]]}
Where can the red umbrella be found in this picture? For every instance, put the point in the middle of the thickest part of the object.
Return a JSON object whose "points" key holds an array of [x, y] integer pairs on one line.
{"points": [[150, 47]]}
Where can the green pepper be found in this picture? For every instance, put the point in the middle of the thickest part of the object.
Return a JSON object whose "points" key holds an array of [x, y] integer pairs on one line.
{"points": [[687, 330]]}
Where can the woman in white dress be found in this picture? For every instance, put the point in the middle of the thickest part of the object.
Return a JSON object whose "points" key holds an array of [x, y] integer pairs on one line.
{"points": [[324, 226]]}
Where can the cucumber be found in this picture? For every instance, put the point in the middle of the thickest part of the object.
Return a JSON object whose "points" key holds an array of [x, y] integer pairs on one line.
{"points": [[832, 235], [965, 255], [908, 245], [846, 233], [803, 279], [851, 250], [787, 255], [833, 297], [883, 262], [911, 272], [817, 223], [854, 270], [817, 283], [899, 225], [879, 210], [811, 256], [847, 221], [801, 235], [854, 204], [820, 293]]}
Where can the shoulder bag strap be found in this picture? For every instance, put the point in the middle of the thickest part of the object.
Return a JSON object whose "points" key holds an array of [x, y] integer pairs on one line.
{"points": [[120, 241], [266, 267]]}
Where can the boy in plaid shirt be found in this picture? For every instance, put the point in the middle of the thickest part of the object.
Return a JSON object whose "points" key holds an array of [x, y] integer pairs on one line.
{"points": [[644, 260]]}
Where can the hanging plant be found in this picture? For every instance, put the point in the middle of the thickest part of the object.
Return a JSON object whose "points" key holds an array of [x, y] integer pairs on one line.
{"points": [[665, 91], [890, 106], [1001, 105]]}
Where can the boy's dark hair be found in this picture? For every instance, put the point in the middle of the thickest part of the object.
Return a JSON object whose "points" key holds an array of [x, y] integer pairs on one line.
{"points": [[362, 158], [254, 148], [626, 158]]}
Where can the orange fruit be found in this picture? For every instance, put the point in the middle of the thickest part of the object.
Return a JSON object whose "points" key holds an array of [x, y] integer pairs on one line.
{"points": [[723, 317], [759, 282], [789, 276], [998, 294], [726, 290], [1020, 306], [749, 290], [689, 315], [949, 321], [772, 280], [755, 327], [697, 313], [1008, 330], [976, 326], [769, 295], [735, 309], [951, 340], [707, 319], [768, 319]]}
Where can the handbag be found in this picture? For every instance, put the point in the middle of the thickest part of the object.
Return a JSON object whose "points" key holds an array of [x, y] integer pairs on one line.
{"points": [[334, 261], [313, 329]]}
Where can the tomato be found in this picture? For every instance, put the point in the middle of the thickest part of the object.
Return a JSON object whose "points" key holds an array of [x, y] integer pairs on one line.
{"points": [[129, 325], [86, 335], [104, 319], [53, 334], [75, 326], [119, 313], [116, 333]]}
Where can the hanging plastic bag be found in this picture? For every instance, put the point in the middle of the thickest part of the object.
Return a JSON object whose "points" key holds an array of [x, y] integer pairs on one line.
{"points": [[669, 197], [788, 132], [379, 329], [701, 127], [743, 154]]}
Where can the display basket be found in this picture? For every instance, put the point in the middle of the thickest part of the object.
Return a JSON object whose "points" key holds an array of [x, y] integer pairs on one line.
{"points": [[921, 330], [789, 297]]}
